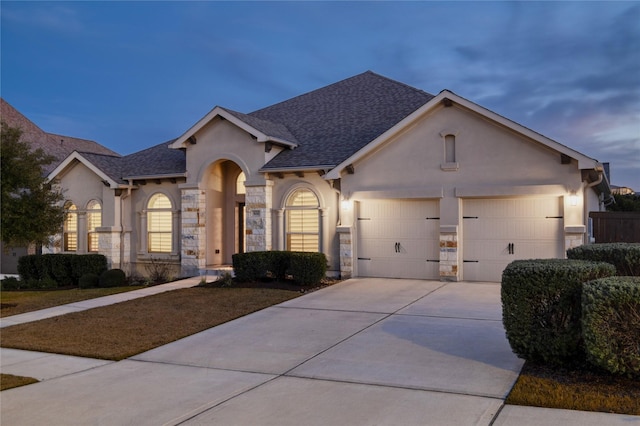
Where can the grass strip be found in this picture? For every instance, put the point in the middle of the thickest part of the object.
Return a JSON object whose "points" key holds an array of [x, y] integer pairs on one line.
{"points": [[585, 390], [20, 302], [9, 381], [125, 329]]}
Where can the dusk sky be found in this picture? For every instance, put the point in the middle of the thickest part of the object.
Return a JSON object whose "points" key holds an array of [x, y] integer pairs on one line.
{"points": [[130, 75]]}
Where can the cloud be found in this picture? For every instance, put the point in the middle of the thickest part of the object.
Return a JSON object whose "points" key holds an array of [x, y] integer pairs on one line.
{"points": [[50, 17]]}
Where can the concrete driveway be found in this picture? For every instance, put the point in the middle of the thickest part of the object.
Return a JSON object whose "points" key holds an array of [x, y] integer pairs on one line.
{"points": [[362, 352]]}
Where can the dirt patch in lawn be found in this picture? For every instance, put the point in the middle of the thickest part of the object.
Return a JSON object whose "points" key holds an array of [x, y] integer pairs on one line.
{"points": [[122, 330]]}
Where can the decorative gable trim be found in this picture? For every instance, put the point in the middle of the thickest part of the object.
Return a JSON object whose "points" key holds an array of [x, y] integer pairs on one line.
{"points": [[188, 137], [448, 98], [76, 156]]}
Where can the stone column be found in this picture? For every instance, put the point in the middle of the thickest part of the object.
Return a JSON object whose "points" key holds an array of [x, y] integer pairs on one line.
{"points": [[449, 253], [346, 252], [193, 239], [109, 245], [574, 236], [258, 202]]}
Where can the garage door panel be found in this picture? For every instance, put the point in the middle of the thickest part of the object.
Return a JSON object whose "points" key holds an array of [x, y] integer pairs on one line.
{"points": [[496, 232], [395, 239]]}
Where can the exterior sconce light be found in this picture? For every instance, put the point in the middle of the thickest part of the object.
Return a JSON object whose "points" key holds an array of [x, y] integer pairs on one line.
{"points": [[573, 199], [345, 204]]}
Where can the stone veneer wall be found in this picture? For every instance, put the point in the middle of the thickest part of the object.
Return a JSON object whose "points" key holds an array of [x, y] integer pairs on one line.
{"points": [[258, 203], [109, 245], [193, 239], [346, 252], [449, 253]]}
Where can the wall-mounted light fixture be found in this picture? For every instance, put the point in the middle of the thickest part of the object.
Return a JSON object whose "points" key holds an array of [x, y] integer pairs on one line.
{"points": [[573, 198]]}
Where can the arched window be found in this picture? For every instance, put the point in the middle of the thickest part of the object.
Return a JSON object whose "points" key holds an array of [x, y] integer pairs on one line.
{"points": [[302, 221], [94, 220], [159, 224], [240, 189], [70, 228]]}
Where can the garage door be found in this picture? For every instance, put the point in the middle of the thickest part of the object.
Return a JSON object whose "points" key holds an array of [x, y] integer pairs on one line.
{"points": [[496, 232], [398, 239]]}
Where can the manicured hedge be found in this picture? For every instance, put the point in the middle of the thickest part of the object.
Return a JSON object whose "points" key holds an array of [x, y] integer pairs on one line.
{"points": [[611, 324], [306, 268], [624, 256], [541, 307], [112, 278], [58, 270], [89, 281]]}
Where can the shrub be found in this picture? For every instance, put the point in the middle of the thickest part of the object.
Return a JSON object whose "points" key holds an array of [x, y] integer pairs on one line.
{"points": [[89, 280], [611, 324], [251, 266], [112, 278], [11, 283], [60, 268], [88, 264], [624, 256], [29, 267], [308, 268], [159, 269], [541, 307]]}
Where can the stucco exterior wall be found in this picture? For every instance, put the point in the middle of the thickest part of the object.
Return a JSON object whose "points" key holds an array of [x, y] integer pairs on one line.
{"points": [[134, 221], [487, 155], [222, 140], [329, 210]]}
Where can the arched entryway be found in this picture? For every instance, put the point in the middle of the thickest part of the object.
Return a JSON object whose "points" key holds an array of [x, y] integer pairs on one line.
{"points": [[225, 213]]}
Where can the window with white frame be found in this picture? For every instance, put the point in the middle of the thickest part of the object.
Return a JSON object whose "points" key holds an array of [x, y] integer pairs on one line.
{"points": [[302, 221], [159, 224], [94, 220], [240, 189], [70, 228]]}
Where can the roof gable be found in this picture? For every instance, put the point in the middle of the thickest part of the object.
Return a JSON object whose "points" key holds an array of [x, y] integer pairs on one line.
{"points": [[263, 130], [584, 162]]}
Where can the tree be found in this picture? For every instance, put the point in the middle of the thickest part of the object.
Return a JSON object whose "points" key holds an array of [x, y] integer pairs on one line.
{"points": [[31, 209], [625, 203]]}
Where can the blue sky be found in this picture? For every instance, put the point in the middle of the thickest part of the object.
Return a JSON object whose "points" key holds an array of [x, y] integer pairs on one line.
{"points": [[133, 74]]}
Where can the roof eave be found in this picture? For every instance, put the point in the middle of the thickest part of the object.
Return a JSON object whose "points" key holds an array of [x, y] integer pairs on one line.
{"points": [[183, 140], [155, 176], [584, 162], [75, 155]]}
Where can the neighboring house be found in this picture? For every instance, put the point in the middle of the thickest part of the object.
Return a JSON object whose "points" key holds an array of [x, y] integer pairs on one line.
{"points": [[385, 179], [57, 146]]}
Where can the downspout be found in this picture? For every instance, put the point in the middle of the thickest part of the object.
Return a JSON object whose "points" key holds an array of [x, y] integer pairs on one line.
{"points": [[586, 207]]}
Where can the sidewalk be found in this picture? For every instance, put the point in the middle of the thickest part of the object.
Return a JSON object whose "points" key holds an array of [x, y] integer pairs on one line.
{"points": [[97, 302]]}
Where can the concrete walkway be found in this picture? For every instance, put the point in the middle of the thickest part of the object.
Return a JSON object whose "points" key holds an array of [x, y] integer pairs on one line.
{"points": [[362, 352], [97, 302]]}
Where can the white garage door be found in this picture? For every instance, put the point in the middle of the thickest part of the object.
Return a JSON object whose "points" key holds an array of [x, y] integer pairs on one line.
{"points": [[398, 239], [496, 232]]}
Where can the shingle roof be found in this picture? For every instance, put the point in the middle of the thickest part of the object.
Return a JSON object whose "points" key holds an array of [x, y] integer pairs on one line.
{"points": [[269, 128], [154, 161], [58, 146], [332, 123]]}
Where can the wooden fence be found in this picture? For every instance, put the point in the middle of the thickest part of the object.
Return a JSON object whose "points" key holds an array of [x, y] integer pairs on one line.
{"points": [[616, 227]]}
